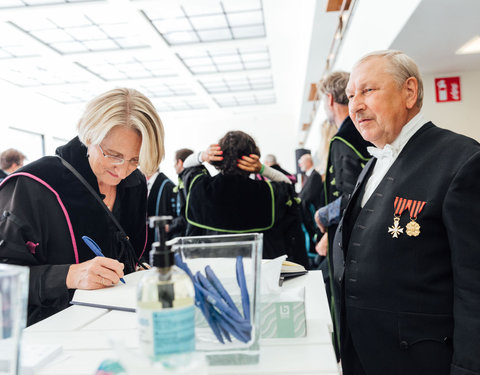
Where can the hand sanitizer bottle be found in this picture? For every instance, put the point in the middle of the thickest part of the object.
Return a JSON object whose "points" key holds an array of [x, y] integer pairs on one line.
{"points": [[165, 302]]}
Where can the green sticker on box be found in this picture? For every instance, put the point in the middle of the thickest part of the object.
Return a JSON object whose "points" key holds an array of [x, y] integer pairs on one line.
{"points": [[284, 312]]}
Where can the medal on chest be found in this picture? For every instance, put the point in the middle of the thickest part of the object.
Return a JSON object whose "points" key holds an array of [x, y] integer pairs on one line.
{"points": [[398, 207], [412, 229]]}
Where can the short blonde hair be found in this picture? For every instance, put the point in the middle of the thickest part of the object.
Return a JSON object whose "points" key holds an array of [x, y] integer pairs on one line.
{"points": [[401, 67], [129, 108]]}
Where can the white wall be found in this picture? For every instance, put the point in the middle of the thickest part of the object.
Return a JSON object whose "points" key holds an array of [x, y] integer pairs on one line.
{"points": [[460, 117], [23, 110]]}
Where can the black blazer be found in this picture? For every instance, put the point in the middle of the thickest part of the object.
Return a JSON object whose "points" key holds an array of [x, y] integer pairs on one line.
{"points": [[412, 304]]}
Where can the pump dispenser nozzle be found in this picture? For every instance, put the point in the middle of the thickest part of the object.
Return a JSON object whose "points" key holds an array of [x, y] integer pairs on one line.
{"points": [[161, 255]]}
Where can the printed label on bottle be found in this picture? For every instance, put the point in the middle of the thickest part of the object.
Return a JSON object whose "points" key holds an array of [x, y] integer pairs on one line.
{"points": [[167, 331]]}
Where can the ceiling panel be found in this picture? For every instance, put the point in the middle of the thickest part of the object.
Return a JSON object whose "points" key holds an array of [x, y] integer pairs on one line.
{"points": [[9, 4], [185, 55], [220, 21], [80, 33]]}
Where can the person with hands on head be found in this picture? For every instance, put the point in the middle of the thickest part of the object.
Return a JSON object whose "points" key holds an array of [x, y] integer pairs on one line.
{"points": [[233, 202], [93, 187]]}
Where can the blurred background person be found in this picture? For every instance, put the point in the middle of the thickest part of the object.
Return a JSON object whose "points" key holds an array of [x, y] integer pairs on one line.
{"points": [[93, 187], [346, 158], [327, 131], [162, 200], [10, 161], [270, 160], [312, 198], [178, 226]]}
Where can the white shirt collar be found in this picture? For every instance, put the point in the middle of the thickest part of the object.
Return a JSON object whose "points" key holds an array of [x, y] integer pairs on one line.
{"points": [[309, 172], [391, 151], [151, 180]]}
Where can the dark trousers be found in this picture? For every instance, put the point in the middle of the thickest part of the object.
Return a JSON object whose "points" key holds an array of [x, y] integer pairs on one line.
{"points": [[350, 362]]}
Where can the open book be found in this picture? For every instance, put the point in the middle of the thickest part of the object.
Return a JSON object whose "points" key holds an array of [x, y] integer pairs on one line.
{"points": [[291, 269], [118, 297]]}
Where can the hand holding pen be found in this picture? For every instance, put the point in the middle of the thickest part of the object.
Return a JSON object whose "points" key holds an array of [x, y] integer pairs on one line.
{"points": [[95, 273]]}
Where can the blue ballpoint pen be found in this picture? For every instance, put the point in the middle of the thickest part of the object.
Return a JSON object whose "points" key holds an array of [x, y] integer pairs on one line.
{"points": [[96, 249]]}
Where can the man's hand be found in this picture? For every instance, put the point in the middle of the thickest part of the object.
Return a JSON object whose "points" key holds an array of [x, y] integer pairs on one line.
{"points": [[212, 153], [250, 163], [322, 246], [95, 273]]}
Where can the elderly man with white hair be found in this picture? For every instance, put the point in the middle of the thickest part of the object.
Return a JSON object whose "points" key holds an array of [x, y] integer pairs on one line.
{"points": [[406, 253]]}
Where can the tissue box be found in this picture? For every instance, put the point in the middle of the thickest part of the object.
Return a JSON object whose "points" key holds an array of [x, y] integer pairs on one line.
{"points": [[283, 315]]}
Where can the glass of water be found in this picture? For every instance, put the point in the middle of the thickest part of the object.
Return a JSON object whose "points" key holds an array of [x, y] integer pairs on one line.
{"points": [[13, 314]]}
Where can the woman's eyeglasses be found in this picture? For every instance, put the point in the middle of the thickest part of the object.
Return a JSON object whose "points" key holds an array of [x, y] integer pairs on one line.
{"points": [[116, 160]]}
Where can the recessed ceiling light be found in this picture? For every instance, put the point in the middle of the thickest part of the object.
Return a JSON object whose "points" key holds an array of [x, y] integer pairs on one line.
{"points": [[472, 46]]}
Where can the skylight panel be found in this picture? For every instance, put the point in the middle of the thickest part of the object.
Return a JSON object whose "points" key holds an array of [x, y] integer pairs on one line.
{"points": [[225, 60], [203, 69], [181, 37], [238, 6], [215, 34], [237, 84], [221, 20], [172, 24], [244, 99], [217, 21], [29, 74], [74, 33], [245, 18], [196, 9], [229, 67], [248, 31], [124, 67], [178, 105]]}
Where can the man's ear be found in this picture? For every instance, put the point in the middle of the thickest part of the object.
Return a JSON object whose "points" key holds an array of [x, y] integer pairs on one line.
{"points": [[411, 92], [330, 99]]}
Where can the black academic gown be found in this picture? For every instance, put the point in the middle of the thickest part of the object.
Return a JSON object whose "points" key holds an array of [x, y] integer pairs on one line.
{"points": [[237, 204], [45, 212], [312, 197], [411, 305], [161, 202]]}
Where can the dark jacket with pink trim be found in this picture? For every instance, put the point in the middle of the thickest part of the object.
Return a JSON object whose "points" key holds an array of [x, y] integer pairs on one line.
{"points": [[43, 231]]}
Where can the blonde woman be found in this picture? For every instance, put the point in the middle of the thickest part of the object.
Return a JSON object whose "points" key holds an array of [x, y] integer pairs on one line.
{"points": [[94, 187]]}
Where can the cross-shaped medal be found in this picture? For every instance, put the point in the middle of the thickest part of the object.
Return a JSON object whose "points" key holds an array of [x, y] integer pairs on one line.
{"points": [[395, 229]]}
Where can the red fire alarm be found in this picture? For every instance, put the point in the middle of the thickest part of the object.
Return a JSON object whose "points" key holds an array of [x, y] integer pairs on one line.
{"points": [[448, 89]]}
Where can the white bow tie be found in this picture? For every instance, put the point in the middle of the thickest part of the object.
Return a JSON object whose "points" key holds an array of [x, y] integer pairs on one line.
{"points": [[387, 152]]}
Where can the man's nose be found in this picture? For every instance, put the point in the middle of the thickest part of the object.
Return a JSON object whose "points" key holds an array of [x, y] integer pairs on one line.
{"points": [[356, 104]]}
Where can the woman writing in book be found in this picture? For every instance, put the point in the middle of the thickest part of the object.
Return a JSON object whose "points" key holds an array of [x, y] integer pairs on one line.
{"points": [[93, 187], [231, 202]]}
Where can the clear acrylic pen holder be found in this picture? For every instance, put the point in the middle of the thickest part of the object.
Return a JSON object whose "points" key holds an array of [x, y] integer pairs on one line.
{"points": [[220, 253]]}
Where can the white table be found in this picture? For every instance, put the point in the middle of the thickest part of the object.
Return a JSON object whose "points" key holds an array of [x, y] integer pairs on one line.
{"points": [[84, 333]]}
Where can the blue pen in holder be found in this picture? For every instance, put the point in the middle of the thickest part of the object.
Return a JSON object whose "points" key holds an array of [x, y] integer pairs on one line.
{"points": [[226, 274]]}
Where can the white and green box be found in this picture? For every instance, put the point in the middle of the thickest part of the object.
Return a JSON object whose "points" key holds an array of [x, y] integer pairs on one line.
{"points": [[283, 315]]}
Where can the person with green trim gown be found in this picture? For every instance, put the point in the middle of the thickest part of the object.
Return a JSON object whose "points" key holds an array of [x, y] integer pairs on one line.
{"points": [[162, 200], [347, 157], [233, 202], [178, 226]]}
